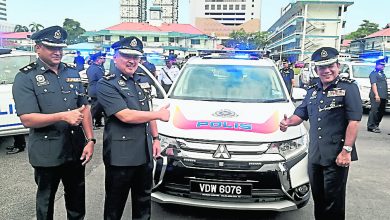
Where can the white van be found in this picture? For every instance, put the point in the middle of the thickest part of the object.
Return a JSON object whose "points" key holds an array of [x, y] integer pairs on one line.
{"points": [[222, 147], [10, 63]]}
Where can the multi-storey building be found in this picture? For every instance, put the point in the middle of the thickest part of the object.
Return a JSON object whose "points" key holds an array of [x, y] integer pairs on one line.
{"points": [[133, 11], [170, 12], [3, 10], [373, 45], [220, 17], [306, 25]]}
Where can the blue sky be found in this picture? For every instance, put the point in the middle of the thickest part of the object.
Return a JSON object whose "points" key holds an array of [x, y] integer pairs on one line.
{"points": [[100, 14]]}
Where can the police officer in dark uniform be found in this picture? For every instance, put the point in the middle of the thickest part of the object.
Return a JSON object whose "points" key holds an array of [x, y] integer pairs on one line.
{"points": [[130, 135], [50, 100], [334, 110], [378, 96], [95, 72], [288, 76]]}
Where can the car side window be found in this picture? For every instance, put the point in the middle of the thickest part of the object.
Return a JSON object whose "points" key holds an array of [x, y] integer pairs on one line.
{"points": [[9, 67]]}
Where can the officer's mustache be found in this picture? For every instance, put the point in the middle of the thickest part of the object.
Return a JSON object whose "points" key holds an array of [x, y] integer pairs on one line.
{"points": [[131, 63]]}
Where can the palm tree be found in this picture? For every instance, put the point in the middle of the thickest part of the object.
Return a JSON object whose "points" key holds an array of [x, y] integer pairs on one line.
{"points": [[35, 27], [20, 28]]}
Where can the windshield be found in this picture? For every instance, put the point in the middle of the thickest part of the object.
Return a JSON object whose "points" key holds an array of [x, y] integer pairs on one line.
{"points": [[67, 58], [363, 71], [156, 60], [10, 65], [229, 83]]}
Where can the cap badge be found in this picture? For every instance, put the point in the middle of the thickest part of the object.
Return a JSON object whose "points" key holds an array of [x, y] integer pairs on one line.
{"points": [[133, 43], [57, 35], [324, 53]]}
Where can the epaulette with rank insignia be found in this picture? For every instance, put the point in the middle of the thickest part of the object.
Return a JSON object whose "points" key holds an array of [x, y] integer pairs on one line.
{"points": [[70, 65], [110, 76], [348, 80], [28, 68], [311, 86]]}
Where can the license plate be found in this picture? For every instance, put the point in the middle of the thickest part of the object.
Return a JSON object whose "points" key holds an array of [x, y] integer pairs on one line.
{"points": [[219, 189]]}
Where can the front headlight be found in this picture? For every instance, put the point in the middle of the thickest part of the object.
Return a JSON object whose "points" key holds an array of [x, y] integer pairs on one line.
{"points": [[289, 149], [169, 146]]}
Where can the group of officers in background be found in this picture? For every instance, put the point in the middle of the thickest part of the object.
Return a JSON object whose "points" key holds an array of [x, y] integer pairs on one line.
{"points": [[51, 100]]}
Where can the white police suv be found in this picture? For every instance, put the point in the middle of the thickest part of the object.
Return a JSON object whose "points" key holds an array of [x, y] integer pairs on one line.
{"points": [[222, 147], [10, 63]]}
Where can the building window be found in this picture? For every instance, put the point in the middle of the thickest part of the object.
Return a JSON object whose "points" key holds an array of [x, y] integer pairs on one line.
{"points": [[121, 37], [253, 6], [171, 40], [107, 37], [206, 7], [230, 7], [218, 7], [237, 7], [339, 11], [195, 41], [373, 45], [156, 39], [144, 38], [252, 13], [224, 7], [243, 7], [212, 7]]}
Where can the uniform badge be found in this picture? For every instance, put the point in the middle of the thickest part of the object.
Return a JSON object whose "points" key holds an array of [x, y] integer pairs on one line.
{"points": [[70, 80], [71, 86], [314, 95], [41, 81], [57, 34], [43, 68], [121, 82], [324, 53]]}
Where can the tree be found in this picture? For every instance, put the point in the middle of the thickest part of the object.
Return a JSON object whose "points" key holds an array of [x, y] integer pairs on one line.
{"points": [[20, 28], [74, 31], [364, 30], [35, 27], [248, 41]]}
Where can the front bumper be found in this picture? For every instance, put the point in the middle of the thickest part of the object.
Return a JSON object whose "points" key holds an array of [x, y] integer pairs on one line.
{"points": [[274, 185]]}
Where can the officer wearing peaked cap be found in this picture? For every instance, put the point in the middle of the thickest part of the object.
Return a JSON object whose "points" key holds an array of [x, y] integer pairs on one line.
{"points": [[288, 75], [130, 134], [50, 100], [334, 110], [378, 96]]}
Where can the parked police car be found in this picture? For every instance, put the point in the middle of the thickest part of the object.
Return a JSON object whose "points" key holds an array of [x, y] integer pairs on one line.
{"points": [[222, 147], [10, 63]]}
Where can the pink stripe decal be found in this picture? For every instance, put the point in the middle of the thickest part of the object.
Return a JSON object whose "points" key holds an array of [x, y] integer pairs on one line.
{"points": [[269, 126]]}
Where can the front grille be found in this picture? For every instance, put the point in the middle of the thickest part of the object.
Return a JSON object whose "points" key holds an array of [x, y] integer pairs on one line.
{"points": [[266, 186], [229, 165]]}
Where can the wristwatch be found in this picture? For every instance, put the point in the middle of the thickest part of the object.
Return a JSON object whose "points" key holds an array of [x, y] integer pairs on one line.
{"points": [[91, 139], [156, 138], [348, 149]]}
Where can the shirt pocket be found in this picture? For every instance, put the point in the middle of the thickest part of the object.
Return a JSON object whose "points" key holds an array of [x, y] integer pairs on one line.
{"points": [[46, 96], [122, 146]]}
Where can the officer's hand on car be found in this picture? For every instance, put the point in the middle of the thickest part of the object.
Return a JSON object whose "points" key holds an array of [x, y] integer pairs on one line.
{"points": [[87, 152], [164, 113], [74, 117], [284, 123], [343, 159]]}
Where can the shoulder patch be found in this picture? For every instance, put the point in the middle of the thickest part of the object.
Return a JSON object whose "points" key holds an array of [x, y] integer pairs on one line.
{"points": [[109, 76], [347, 80], [70, 65], [28, 68]]}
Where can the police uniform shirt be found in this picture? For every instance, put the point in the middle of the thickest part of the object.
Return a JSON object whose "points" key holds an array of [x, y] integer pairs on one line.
{"points": [[379, 78], [329, 111], [288, 75], [94, 73], [37, 89], [173, 72], [124, 144]]}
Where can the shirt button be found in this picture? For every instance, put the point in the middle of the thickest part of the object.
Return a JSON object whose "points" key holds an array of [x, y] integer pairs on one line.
{"points": [[68, 109], [319, 137], [139, 93], [319, 128], [123, 137], [45, 90], [322, 101], [65, 99], [319, 119], [142, 103], [71, 131], [45, 137], [323, 93]]}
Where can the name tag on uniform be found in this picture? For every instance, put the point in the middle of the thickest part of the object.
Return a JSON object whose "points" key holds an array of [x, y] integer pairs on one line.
{"points": [[144, 85], [69, 80], [336, 93]]}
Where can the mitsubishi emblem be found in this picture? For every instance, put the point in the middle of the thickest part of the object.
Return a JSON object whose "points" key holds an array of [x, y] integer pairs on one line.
{"points": [[222, 152]]}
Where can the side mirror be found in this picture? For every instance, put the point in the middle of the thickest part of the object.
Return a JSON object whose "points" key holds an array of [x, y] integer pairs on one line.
{"points": [[298, 94], [344, 75]]}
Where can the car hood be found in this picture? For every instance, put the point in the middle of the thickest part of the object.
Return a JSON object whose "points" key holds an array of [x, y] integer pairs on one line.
{"points": [[224, 121]]}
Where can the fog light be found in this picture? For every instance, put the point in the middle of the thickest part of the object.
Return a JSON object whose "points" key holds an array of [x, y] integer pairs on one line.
{"points": [[302, 190]]}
